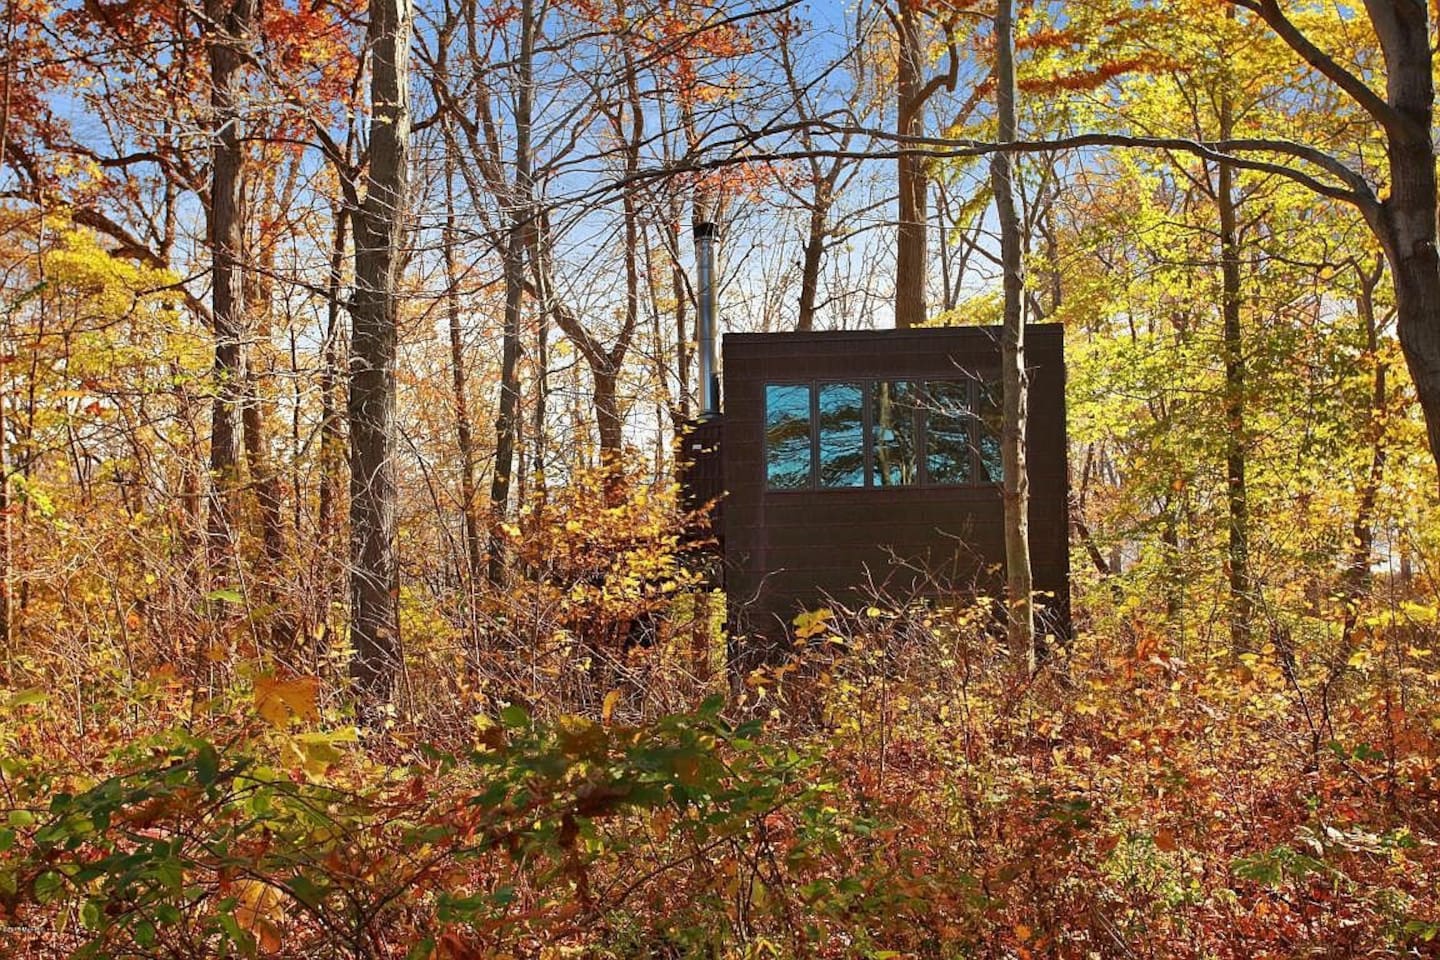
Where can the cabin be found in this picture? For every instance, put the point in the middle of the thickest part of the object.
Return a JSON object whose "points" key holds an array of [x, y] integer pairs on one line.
{"points": [[846, 464]]}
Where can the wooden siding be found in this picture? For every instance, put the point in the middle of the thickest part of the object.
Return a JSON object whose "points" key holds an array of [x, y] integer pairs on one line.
{"points": [[702, 474], [791, 549]]}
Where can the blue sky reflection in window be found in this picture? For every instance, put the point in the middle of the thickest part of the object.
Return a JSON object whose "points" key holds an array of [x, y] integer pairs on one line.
{"points": [[842, 435], [947, 432], [787, 436]]}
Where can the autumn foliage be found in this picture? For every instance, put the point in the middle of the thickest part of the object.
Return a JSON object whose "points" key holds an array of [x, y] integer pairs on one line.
{"points": [[573, 753]]}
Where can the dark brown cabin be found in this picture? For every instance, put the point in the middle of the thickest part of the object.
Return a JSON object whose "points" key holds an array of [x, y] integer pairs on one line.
{"points": [[859, 460]]}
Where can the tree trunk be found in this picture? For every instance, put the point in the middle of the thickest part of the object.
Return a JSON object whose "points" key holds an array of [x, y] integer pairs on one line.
{"points": [[7, 650], [609, 423], [331, 436], [1406, 219], [910, 233], [1357, 576], [256, 411], [374, 573], [464, 434], [680, 290], [231, 21], [505, 422], [1019, 587], [810, 272], [541, 367], [519, 229], [1242, 597]]}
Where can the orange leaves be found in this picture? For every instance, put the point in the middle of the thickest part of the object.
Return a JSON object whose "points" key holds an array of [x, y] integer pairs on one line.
{"points": [[1082, 80], [312, 54], [607, 709], [277, 701]]}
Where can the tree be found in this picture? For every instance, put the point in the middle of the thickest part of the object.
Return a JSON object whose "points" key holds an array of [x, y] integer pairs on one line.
{"points": [[825, 178], [230, 24], [912, 91], [1402, 218], [379, 233], [1404, 222], [1020, 625], [472, 107]]}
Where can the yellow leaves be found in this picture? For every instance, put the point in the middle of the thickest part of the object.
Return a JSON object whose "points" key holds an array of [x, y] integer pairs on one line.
{"points": [[812, 623], [607, 709], [316, 753], [258, 911], [108, 286], [278, 700], [26, 697]]}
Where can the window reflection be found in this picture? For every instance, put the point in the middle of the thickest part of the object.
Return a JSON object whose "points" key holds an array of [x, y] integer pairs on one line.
{"points": [[893, 415], [947, 432], [987, 445], [787, 436], [842, 434]]}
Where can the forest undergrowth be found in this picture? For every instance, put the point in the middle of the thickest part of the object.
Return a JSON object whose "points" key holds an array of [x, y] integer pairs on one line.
{"points": [[572, 772]]}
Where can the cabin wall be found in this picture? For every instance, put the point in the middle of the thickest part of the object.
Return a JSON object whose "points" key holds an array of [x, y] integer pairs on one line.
{"points": [[791, 549], [702, 475]]}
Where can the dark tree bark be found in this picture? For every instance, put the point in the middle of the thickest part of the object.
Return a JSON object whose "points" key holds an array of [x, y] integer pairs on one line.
{"points": [[6, 619], [374, 573], [1237, 499], [912, 91], [332, 437], [256, 409], [1406, 219], [231, 22], [506, 423], [910, 232]]}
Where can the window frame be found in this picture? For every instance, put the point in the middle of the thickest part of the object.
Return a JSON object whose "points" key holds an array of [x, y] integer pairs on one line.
{"points": [[976, 429]]}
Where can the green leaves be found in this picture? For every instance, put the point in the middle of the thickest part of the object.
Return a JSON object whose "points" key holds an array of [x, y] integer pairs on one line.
{"points": [[207, 765], [204, 835], [48, 886], [514, 717]]}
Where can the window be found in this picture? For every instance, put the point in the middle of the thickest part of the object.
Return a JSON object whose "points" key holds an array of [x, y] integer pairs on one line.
{"points": [[991, 416], [841, 411], [787, 436], [947, 432], [882, 433], [893, 433]]}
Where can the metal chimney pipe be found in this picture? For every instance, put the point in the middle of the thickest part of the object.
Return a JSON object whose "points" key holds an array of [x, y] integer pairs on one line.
{"points": [[705, 259]]}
